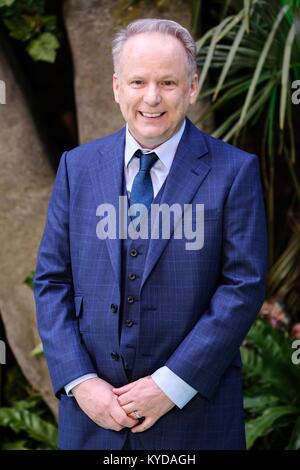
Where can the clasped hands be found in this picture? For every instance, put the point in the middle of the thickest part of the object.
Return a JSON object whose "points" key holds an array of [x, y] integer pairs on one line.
{"points": [[113, 408]]}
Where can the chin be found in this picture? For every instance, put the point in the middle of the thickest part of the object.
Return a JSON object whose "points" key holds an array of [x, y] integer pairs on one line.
{"points": [[152, 133]]}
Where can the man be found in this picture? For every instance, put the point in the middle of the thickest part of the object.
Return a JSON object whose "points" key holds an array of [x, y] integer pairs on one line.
{"points": [[142, 334]]}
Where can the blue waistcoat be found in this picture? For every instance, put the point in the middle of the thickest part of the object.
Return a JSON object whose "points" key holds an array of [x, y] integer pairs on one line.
{"points": [[133, 261]]}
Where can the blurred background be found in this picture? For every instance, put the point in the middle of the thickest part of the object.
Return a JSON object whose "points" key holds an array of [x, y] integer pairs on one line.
{"points": [[55, 93]]}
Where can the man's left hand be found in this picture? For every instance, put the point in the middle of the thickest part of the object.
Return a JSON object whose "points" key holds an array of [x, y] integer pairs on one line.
{"points": [[147, 399]]}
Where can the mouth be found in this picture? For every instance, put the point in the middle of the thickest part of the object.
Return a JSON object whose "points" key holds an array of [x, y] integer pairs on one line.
{"points": [[152, 116]]}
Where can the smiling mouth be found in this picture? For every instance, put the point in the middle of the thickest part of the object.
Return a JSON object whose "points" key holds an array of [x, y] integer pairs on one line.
{"points": [[152, 115]]}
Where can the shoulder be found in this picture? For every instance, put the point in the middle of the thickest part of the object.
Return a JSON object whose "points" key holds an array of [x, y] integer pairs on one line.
{"points": [[85, 154], [219, 151], [224, 154]]}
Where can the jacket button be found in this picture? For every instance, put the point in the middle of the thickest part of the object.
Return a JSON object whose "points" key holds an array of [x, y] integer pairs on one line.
{"points": [[134, 252], [115, 356], [130, 299], [114, 308], [131, 276], [129, 323]]}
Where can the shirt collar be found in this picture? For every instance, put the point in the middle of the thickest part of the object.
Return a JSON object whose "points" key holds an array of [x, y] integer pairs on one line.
{"points": [[165, 151]]}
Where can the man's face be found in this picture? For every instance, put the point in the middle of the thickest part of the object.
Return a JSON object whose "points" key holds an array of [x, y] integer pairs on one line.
{"points": [[153, 79]]}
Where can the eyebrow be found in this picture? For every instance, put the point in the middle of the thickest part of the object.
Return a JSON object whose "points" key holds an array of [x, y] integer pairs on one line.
{"points": [[165, 77]]}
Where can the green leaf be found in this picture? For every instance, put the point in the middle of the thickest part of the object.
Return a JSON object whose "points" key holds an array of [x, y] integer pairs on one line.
{"points": [[22, 27], [44, 47], [50, 22], [260, 402], [220, 31], [247, 7], [230, 59], [262, 425], [285, 72], [37, 351], [16, 445], [23, 420], [260, 65], [257, 106], [28, 403], [6, 3], [29, 279], [294, 443]]}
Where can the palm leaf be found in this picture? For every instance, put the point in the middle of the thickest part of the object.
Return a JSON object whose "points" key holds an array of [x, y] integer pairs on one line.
{"points": [[217, 34], [260, 65], [230, 59], [285, 72]]}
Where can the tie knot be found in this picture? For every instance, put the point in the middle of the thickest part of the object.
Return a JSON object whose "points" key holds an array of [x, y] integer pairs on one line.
{"points": [[147, 160]]}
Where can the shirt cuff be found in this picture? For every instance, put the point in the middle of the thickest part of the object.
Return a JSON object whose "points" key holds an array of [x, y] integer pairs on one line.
{"points": [[173, 386], [78, 381]]}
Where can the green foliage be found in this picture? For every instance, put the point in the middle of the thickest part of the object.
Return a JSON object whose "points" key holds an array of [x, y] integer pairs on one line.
{"points": [[15, 445], [27, 22], [29, 279], [250, 60], [18, 418], [37, 351], [25, 421], [6, 3], [272, 398], [44, 48], [284, 275], [15, 386]]}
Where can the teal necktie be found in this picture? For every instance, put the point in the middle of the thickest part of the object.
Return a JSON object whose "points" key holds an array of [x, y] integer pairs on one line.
{"points": [[142, 189]]}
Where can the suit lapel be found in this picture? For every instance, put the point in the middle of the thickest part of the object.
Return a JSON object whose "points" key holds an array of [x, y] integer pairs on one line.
{"points": [[107, 181], [186, 175]]}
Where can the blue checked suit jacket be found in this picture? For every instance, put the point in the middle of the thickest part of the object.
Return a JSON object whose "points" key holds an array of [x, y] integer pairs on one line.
{"points": [[205, 300]]}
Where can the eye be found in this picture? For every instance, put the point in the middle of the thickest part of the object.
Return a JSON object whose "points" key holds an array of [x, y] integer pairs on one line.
{"points": [[169, 83], [136, 83]]}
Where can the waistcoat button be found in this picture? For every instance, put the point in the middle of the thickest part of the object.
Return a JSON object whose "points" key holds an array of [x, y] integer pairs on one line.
{"points": [[134, 252], [130, 299], [115, 356]]}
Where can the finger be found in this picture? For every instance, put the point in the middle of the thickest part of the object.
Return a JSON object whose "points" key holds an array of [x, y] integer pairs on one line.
{"points": [[130, 408], [112, 424], [146, 424], [124, 389], [120, 417], [125, 399], [132, 415]]}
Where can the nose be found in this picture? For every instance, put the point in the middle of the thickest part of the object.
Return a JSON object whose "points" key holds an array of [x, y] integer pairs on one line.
{"points": [[152, 95]]}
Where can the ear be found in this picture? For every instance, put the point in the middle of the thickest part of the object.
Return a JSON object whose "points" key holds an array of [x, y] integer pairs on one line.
{"points": [[194, 89], [116, 87]]}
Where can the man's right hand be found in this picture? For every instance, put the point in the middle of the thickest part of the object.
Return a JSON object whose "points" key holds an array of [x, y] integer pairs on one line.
{"points": [[97, 400]]}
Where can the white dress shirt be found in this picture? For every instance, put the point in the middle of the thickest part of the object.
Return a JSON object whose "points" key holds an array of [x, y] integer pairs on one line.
{"points": [[173, 386]]}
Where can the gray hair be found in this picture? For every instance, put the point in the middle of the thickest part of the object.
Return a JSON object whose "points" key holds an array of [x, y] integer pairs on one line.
{"points": [[153, 25]]}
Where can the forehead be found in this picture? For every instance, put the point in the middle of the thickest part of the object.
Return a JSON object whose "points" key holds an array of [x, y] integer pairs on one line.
{"points": [[144, 51]]}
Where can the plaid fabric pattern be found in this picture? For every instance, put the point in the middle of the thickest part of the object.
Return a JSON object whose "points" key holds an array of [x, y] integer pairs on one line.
{"points": [[195, 307]]}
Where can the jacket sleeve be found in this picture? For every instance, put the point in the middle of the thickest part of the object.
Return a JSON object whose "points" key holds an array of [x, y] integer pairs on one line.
{"points": [[54, 295], [209, 348]]}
